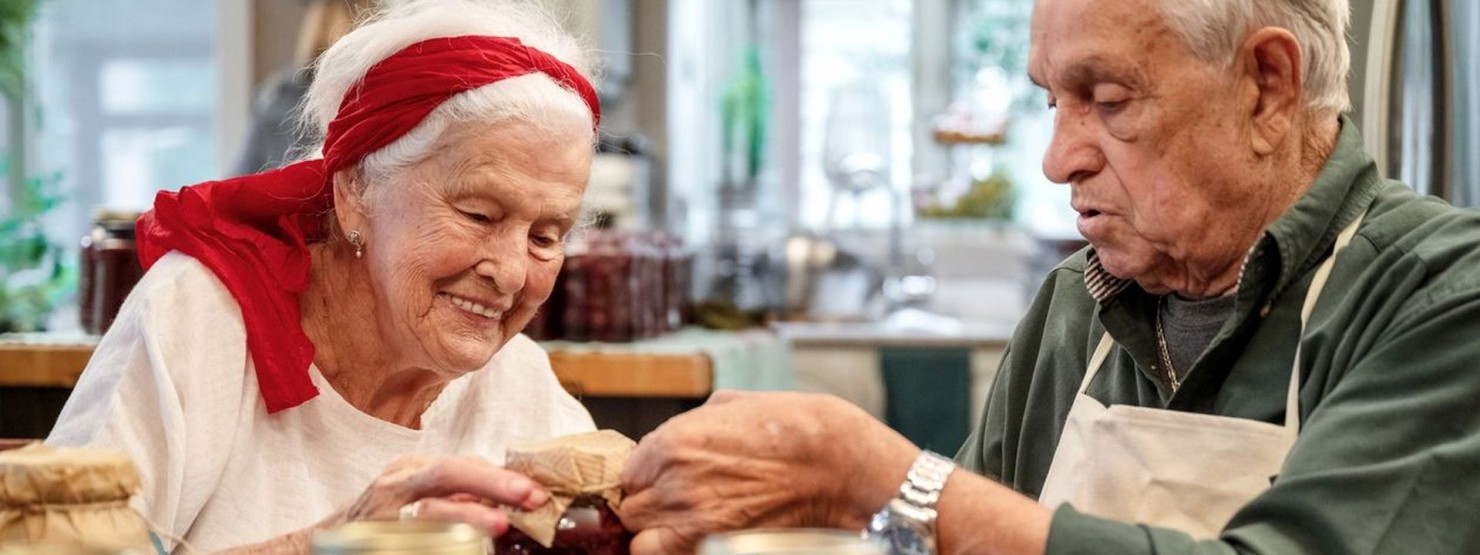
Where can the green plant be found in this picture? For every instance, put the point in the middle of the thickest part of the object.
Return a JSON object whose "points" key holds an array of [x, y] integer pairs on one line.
{"points": [[744, 107], [33, 277]]}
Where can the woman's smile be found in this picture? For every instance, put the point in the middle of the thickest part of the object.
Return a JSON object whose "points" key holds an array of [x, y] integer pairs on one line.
{"points": [[482, 312]]}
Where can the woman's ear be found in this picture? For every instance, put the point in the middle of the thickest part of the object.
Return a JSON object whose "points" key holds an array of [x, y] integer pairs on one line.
{"points": [[350, 209], [1271, 59]]}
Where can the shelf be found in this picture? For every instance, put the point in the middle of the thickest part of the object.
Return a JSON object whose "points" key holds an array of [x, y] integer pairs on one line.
{"points": [[962, 138]]}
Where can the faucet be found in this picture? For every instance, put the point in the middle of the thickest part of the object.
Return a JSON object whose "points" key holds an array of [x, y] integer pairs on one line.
{"points": [[902, 286]]}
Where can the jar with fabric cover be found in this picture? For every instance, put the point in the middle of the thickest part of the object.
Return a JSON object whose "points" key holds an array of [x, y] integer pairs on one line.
{"points": [[70, 498], [581, 473]]}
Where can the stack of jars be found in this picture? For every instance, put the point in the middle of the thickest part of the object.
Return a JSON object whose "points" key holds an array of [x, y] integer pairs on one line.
{"points": [[109, 269], [617, 286]]}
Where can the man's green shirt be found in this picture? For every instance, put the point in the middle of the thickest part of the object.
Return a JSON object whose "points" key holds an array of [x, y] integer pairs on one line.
{"points": [[1388, 456]]}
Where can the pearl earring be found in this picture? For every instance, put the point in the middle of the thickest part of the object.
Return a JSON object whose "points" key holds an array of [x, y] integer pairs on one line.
{"points": [[354, 239]]}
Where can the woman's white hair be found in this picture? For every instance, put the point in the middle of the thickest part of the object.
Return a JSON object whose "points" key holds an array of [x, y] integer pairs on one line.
{"points": [[534, 98], [1215, 29]]}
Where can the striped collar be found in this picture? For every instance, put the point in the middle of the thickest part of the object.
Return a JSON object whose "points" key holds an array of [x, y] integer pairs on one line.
{"points": [[1102, 286]]}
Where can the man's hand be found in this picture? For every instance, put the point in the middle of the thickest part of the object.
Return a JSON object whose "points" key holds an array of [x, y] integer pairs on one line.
{"points": [[752, 460]]}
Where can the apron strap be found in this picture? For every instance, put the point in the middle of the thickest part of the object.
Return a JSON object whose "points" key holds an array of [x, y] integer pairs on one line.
{"points": [[1098, 359], [1292, 399]]}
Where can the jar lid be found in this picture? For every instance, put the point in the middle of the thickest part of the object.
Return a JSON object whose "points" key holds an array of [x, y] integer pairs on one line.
{"points": [[110, 215], [791, 540], [391, 537], [61, 549], [41, 474], [569, 467]]}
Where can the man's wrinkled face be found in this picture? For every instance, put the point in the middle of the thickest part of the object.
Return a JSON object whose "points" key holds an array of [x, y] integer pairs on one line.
{"points": [[1147, 136]]}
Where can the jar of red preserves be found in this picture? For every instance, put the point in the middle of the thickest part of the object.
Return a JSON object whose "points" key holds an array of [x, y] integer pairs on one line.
{"points": [[587, 527], [610, 288], [109, 269]]}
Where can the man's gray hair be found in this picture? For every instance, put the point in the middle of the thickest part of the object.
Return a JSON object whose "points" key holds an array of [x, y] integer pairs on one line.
{"points": [[533, 98], [1215, 29]]}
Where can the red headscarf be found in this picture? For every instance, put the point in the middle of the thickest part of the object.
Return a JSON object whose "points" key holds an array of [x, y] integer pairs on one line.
{"points": [[253, 231]]}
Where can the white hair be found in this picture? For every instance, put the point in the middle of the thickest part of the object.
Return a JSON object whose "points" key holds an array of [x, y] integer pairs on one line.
{"points": [[534, 98], [1215, 28]]}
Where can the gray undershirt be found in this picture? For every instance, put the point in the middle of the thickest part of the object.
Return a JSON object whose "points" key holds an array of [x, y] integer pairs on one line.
{"points": [[1190, 326]]}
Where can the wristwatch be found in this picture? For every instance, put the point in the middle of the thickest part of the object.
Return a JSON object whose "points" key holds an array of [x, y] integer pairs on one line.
{"points": [[906, 524]]}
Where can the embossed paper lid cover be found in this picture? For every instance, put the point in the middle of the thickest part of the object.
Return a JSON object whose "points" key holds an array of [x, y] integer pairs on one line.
{"points": [[41, 474], [569, 467]]}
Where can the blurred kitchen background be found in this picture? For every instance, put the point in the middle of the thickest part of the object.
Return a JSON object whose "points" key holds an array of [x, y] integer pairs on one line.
{"points": [[825, 195]]}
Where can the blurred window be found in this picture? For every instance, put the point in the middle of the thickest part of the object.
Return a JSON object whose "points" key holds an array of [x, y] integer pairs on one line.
{"points": [[854, 53], [126, 94]]}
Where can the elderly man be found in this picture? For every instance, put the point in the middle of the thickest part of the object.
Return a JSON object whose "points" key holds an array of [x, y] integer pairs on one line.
{"points": [[1147, 403]]}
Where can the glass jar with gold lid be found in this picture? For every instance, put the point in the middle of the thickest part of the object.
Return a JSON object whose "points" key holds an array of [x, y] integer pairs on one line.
{"points": [[414, 537]]}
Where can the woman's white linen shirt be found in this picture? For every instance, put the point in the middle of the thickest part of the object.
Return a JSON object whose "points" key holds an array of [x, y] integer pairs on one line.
{"points": [[172, 385]]}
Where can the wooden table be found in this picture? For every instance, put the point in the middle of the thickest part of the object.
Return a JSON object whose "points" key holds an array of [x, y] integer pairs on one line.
{"points": [[615, 374], [42, 364], [584, 373], [624, 387]]}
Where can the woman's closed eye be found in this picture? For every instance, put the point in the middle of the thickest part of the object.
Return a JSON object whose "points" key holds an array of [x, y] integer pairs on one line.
{"points": [[476, 217]]}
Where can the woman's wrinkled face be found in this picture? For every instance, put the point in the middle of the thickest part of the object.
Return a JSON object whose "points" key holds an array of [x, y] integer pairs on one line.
{"points": [[464, 246]]}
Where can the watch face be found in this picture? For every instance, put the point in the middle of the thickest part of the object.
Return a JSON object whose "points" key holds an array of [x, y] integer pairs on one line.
{"points": [[904, 539], [901, 533]]}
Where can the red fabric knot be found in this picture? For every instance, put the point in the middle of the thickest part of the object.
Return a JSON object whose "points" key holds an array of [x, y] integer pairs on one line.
{"points": [[253, 231]]}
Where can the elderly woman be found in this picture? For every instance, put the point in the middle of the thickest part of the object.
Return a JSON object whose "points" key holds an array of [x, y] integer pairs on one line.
{"points": [[339, 339]]}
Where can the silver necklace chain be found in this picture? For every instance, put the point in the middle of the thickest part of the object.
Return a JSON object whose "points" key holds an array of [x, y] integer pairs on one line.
{"points": [[1172, 379]]}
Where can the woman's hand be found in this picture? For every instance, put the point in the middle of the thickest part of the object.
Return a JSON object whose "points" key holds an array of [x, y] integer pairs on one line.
{"points": [[748, 460], [455, 489]]}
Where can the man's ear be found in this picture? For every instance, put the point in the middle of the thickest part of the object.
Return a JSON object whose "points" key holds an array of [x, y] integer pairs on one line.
{"points": [[349, 202], [1271, 59]]}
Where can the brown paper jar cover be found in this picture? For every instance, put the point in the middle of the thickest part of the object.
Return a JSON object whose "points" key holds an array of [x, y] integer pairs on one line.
{"points": [[582, 473], [70, 496]]}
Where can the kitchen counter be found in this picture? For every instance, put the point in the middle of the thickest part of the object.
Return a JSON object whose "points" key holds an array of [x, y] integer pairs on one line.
{"points": [[904, 329], [926, 375]]}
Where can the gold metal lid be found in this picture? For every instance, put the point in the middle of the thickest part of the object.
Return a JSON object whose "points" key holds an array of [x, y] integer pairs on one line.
{"points": [[389, 537], [790, 541], [102, 215], [61, 549]]}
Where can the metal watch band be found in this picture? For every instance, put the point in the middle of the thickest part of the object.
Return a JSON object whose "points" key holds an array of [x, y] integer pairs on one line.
{"points": [[925, 479]]}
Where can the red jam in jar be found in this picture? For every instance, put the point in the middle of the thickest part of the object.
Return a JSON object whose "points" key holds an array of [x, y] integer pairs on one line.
{"points": [[109, 269], [588, 527]]}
